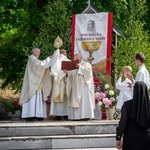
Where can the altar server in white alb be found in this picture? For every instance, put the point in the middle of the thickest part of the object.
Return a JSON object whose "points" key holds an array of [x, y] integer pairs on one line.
{"points": [[80, 91], [36, 87], [142, 74], [58, 107], [125, 92]]}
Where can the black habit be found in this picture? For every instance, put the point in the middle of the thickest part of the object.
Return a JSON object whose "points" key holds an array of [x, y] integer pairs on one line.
{"points": [[134, 124]]}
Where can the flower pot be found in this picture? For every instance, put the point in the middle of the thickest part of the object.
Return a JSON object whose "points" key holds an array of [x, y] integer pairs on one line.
{"points": [[111, 112], [15, 116]]}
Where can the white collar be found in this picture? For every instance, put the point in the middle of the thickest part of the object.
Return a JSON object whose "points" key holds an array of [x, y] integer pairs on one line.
{"points": [[141, 66]]}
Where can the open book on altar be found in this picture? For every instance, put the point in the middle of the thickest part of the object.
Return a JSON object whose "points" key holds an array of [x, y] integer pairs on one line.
{"points": [[69, 65]]}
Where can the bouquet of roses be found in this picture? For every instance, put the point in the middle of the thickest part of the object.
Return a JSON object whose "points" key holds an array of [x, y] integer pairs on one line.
{"points": [[105, 96]]}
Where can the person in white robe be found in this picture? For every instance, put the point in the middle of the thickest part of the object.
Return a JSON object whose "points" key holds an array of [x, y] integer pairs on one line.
{"points": [[58, 107], [80, 91], [125, 92], [142, 74], [36, 87]]}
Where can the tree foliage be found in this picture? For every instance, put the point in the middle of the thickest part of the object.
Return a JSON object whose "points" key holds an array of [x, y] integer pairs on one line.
{"points": [[137, 40], [54, 25], [19, 24], [26, 23]]}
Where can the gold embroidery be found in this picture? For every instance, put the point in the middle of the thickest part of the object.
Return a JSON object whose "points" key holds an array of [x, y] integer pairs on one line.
{"points": [[58, 99]]}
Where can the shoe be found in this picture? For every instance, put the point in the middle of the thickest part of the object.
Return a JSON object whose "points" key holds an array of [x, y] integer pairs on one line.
{"points": [[58, 117], [39, 119], [29, 119], [85, 119], [65, 118]]}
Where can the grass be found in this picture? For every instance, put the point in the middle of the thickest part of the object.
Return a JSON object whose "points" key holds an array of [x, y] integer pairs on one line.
{"points": [[8, 94]]}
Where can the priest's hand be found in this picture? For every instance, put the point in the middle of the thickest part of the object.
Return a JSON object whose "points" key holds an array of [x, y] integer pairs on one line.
{"points": [[77, 65], [65, 71], [119, 145]]}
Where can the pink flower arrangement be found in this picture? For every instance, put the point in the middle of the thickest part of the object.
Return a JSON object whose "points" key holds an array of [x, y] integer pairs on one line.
{"points": [[104, 94], [101, 96], [105, 100]]}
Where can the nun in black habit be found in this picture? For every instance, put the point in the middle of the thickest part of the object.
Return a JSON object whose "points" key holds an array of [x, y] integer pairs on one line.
{"points": [[134, 125]]}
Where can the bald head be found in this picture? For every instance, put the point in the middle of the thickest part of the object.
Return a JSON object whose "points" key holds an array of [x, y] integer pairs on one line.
{"points": [[78, 57]]}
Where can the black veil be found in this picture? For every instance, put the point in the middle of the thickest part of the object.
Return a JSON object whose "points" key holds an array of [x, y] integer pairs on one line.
{"points": [[141, 105]]}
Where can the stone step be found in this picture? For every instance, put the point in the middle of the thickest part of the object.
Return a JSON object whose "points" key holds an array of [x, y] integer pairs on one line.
{"points": [[46, 128], [58, 142], [85, 149]]}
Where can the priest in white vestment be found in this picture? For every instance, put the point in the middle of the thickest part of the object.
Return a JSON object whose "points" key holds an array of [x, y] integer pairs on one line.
{"points": [[80, 91], [58, 107], [36, 87]]}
